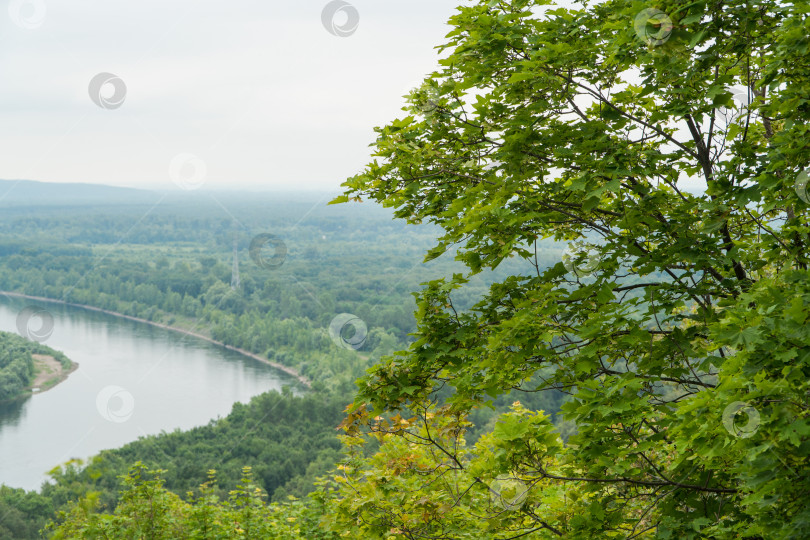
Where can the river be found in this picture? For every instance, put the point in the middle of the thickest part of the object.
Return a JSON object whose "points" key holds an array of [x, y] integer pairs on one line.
{"points": [[133, 379]]}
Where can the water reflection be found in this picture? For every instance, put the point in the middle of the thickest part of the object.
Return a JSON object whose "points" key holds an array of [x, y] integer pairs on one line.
{"points": [[11, 412]]}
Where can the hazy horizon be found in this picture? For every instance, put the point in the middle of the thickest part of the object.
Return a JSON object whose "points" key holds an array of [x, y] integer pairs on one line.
{"points": [[9, 184], [251, 96]]}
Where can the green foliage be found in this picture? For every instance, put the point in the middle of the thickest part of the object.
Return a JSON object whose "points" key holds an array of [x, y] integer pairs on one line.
{"points": [[148, 510], [426, 482], [22, 513], [288, 442], [679, 334]]}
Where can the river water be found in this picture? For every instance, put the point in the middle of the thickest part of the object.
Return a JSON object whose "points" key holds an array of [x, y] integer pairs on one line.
{"points": [[133, 379]]}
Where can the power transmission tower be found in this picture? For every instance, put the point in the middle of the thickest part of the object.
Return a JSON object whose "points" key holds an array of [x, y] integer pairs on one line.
{"points": [[235, 271]]}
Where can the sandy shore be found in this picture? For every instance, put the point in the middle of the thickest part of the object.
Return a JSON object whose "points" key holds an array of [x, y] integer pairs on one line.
{"points": [[49, 372], [288, 370]]}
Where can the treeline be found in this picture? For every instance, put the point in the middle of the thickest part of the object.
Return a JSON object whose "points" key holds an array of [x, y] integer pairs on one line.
{"points": [[288, 443], [175, 268], [287, 440], [17, 369], [147, 506]]}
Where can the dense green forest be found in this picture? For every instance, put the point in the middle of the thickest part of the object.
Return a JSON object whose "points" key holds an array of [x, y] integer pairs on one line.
{"points": [[563, 340], [17, 368], [176, 269]]}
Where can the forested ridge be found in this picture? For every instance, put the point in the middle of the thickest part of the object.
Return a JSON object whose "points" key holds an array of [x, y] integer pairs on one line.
{"points": [[610, 331]]}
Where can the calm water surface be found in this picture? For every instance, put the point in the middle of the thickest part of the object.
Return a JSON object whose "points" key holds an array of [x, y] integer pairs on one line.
{"points": [[133, 380]]}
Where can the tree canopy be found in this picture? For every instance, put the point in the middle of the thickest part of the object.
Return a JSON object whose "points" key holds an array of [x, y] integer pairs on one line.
{"points": [[667, 145]]}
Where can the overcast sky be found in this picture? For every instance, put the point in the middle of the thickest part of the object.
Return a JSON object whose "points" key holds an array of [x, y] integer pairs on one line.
{"points": [[253, 94]]}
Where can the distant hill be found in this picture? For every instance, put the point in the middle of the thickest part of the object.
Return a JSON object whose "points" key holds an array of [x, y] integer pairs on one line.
{"points": [[33, 193]]}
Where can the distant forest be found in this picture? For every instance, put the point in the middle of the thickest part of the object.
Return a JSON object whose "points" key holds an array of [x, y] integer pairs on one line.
{"points": [[176, 267]]}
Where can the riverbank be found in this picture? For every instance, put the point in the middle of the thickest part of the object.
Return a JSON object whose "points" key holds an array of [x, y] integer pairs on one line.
{"points": [[288, 370], [49, 373]]}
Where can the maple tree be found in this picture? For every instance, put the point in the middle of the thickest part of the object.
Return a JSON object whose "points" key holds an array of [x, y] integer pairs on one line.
{"points": [[666, 145]]}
